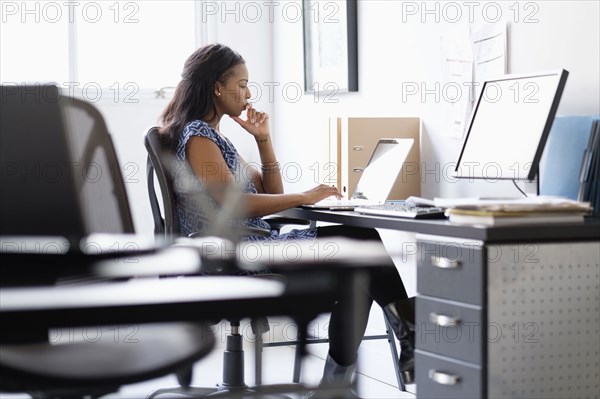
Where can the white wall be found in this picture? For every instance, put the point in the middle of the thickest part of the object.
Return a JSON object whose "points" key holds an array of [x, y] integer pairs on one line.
{"points": [[392, 52], [128, 122]]}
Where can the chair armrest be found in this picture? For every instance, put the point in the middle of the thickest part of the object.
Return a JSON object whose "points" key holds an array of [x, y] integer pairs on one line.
{"points": [[277, 222], [246, 231]]}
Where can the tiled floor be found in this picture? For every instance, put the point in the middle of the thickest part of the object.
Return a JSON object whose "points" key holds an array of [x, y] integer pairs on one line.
{"points": [[376, 378]]}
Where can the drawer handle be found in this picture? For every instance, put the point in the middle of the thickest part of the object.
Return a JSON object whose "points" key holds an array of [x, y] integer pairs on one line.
{"points": [[358, 148], [444, 263], [358, 170], [443, 320], [443, 378]]}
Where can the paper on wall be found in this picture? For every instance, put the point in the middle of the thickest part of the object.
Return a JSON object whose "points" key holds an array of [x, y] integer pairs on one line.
{"points": [[458, 75], [489, 53], [470, 56]]}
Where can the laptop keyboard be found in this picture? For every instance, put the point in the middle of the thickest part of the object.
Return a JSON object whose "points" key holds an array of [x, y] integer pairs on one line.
{"points": [[403, 209]]}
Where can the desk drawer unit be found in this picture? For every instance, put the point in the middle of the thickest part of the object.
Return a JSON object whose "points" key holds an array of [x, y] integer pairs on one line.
{"points": [[450, 318], [509, 320]]}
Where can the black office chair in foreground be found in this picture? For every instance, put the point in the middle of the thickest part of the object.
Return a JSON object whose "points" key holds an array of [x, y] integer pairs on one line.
{"points": [[88, 195], [167, 226], [35, 135]]}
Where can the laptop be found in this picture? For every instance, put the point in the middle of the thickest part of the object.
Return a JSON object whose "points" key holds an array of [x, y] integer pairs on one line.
{"points": [[377, 179], [56, 185]]}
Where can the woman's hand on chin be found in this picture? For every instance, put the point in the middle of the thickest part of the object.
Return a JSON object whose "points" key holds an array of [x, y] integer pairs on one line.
{"points": [[256, 122]]}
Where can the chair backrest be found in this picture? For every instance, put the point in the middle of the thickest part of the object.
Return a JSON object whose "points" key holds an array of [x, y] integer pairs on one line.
{"points": [[157, 165], [101, 189], [162, 163], [561, 163], [38, 195], [66, 179]]}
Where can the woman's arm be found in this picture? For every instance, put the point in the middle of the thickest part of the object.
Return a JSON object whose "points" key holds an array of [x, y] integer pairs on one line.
{"points": [[270, 176], [268, 179], [209, 166]]}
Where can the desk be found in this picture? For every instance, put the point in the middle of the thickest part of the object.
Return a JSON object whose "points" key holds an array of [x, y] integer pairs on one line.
{"points": [[509, 311], [26, 306], [310, 288]]}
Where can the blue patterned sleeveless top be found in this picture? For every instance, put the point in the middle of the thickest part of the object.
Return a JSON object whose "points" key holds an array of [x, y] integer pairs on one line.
{"points": [[195, 215]]}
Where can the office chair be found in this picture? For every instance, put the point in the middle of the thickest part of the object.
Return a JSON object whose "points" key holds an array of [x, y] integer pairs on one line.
{"points": [[29, 362], [168, 226]]}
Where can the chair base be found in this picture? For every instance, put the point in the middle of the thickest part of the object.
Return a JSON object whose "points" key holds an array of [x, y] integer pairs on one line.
{"points": [[72, 394], [275, 391], [233, 378], [191, 391], [197, 392]]}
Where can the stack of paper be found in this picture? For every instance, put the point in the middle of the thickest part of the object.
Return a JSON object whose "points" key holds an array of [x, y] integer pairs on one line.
{"points": [[530, 210]]}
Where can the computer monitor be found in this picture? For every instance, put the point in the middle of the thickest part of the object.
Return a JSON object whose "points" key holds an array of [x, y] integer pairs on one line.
{"points": [[509, 126]]}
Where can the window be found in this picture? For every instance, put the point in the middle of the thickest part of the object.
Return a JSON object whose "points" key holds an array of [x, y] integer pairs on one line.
{"points": [[32, 48], [116, 45]]}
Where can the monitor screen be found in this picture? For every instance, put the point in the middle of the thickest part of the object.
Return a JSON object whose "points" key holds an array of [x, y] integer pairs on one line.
{"points": [[509, 126]]}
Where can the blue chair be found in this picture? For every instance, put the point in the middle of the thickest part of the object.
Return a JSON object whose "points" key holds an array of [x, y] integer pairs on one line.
{"points": [[561, 163]]}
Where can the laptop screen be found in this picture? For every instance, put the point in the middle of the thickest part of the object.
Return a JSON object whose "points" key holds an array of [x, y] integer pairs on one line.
{"points": [[381, 171]]}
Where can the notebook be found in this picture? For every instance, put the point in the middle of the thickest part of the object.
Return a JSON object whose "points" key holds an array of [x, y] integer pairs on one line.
{"points": [[377, 179]]}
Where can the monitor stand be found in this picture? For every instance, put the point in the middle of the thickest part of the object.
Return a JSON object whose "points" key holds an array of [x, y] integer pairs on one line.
{"points": [[531, 187]]}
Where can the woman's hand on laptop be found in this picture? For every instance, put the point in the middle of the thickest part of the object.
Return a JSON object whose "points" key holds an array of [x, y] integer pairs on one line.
{"points": [[319, 193]]}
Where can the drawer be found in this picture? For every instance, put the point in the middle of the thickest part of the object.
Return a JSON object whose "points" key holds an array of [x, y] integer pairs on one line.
{"points": [[439, 377], [451, 270], [450, 329]]}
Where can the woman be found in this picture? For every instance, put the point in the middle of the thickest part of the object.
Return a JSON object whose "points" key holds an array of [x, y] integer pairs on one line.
{"points": [[215, 84]]}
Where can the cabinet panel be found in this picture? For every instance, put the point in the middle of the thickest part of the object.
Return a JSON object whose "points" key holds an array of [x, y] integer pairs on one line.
{"points": [[543, 320]]}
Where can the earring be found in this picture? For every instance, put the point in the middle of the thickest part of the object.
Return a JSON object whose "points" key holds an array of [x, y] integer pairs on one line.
{"points": [[218, 94]]}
